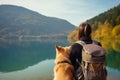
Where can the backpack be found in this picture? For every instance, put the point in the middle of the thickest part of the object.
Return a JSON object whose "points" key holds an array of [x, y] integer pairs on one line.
{"points": [[93, 61]]}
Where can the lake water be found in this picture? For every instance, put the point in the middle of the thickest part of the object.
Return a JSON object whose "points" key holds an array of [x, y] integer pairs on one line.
{"points": [[34, 60]]}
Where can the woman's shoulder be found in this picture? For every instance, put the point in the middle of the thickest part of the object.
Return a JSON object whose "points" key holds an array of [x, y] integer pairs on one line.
{"points": [[76, 45]]}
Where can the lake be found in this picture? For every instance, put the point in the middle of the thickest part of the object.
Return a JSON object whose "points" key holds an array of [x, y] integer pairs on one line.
{"points": [[34, 59]]}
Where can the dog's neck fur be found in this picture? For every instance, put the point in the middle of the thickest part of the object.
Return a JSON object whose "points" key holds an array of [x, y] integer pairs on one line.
{"points": [[63, 60]]}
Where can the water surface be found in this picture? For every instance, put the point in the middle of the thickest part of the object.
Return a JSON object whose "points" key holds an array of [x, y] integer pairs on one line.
{"points": [[34, 60]]}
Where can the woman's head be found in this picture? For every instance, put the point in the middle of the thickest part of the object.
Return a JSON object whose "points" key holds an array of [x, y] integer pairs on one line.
{"points": [[84, 30]]}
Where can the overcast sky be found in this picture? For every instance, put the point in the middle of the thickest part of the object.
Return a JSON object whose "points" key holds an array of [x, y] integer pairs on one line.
{"points": [[74, 11]]}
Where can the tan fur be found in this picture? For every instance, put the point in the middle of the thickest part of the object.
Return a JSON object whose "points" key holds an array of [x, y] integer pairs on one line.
{"points": [[63, 71]]}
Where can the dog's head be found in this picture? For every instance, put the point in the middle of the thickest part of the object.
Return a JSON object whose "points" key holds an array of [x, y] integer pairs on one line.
{"points": [[62, 52]]}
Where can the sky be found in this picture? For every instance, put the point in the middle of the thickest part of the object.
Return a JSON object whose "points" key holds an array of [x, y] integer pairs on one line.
{"points": [[74, 11]]}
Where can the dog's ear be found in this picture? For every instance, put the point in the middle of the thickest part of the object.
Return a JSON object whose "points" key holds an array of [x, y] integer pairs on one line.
{"points": [[56, 47], [59, 48]]}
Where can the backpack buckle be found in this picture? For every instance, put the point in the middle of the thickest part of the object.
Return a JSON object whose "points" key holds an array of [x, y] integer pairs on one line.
{"points": [[86, 65]]}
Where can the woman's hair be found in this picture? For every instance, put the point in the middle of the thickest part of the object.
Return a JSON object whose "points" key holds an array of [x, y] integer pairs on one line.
{"points": [[84, 30]]}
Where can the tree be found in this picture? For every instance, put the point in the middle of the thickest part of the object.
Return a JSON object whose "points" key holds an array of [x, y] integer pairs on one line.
{"points": [[106, 30], [72, 37], [116, 31]]}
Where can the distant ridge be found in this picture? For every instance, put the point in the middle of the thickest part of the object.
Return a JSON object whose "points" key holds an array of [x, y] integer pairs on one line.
{"points": [[17, 21]]}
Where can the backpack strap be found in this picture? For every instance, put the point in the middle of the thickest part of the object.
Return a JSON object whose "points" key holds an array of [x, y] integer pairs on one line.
{"points": [[80, 42], [83, 43]]}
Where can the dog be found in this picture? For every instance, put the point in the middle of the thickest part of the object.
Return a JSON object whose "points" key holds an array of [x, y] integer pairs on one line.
{"points": [[63, 69]]}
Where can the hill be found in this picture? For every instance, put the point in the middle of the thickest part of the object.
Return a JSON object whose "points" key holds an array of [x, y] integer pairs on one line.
{"points": [[112, 16], [17, 22], [105, 25]]}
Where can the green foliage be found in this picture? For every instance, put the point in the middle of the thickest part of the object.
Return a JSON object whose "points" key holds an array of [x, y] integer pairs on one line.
{"points": [[112, 16], [104, 26]]}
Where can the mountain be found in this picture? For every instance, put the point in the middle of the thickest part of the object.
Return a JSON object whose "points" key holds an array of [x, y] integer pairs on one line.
{"points": [[16, 21], [105, 25], [112, 16]]}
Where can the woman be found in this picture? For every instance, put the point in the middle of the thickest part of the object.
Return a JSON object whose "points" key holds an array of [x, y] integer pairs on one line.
{"points": [[84, 34]]}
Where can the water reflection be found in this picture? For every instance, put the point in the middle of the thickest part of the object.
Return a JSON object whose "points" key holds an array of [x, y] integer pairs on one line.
{"points": [[113, 59], [112, 46], [33, 60], [40, 71], [113, 74], [44, 71], [19, 55]]}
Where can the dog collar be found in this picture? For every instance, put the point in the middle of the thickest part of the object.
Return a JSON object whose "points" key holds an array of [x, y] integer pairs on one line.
{"points": [[63, 62]]}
